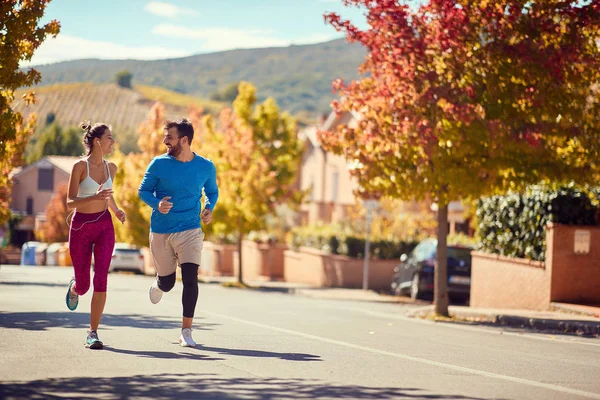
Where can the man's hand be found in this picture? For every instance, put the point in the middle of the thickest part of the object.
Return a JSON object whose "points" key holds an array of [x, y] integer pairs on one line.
{"points": [[206, 216], [165, 205]]}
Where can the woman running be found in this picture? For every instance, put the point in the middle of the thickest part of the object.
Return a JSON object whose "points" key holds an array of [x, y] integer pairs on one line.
{"points": [[90, 195]]}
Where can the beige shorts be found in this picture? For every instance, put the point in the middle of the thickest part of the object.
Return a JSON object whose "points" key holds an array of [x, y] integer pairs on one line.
{"points": [[170, 249]]}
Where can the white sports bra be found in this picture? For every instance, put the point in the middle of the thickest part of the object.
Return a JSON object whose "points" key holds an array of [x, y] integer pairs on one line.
{"points": [[89, 187]]}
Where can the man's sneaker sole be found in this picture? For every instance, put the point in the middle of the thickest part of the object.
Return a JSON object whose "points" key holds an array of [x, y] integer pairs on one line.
{"points": [[158, 295], [183, 343]]}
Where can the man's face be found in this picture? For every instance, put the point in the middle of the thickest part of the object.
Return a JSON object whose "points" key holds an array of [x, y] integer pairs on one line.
{"points": [[172, 141]]}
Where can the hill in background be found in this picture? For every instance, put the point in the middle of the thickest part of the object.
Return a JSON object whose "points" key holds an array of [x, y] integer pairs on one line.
{"points": [[298, 77], [122, 108]]}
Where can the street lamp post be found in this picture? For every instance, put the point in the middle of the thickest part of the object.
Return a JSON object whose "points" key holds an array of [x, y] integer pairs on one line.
{"points": [[370, 205]]}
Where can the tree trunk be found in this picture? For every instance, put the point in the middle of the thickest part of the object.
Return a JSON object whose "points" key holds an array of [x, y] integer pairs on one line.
{"points": [[240, 275], [440, 289]]}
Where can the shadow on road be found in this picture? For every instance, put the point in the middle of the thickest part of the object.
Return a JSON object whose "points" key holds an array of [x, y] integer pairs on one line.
{"points": [[207, 386], [40, 321], [44, 284], [258, 353], [166, 355]]}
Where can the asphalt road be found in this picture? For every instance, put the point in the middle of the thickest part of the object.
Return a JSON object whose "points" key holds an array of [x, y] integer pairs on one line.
{"points": [[263, 345]]}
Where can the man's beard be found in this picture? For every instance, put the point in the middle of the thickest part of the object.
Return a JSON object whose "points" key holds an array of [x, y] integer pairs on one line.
{"points": [[174, 151]]}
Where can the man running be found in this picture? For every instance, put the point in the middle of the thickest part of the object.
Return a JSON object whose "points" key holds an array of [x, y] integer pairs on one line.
{"points": [[172, 186]]}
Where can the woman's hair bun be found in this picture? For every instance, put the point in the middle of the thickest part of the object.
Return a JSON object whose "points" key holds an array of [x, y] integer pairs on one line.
{"points": [[86, 126]]}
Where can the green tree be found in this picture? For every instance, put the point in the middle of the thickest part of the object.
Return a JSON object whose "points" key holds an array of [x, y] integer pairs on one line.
{"points": [[54, 141], [124, 78], [463, 99], [257, 155], [228, 95], [20, 36]]}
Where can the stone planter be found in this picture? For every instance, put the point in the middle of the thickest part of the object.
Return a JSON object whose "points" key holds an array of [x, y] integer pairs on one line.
{"points": [[317, 268], [217, 259], [261, 261]]}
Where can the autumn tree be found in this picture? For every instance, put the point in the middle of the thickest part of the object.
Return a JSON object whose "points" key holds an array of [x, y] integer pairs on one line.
{"points": [[55, 228], [20, 36], [257, 154], [11, 158], [461, 99], [131, 169]]}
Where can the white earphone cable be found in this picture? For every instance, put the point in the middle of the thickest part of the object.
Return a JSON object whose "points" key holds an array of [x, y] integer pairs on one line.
{"points": [[105, 207]]}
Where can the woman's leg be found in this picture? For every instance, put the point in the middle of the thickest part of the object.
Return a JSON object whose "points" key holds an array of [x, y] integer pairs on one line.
{"points": [[80, 249], [103, 249]]}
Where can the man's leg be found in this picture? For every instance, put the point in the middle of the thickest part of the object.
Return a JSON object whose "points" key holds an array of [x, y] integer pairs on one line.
{"points": [[165, 263], [189, 298], [188, 245]]}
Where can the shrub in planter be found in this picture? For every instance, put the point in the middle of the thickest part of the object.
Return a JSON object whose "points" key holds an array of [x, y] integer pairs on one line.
{"points": [[331, 239]]}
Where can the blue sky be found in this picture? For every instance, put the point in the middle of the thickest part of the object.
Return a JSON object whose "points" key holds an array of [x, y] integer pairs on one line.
{"points": [[142, 29]]}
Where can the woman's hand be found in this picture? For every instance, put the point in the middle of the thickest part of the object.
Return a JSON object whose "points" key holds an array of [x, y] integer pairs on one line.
{"points": [[103, 194], [120, 214]]}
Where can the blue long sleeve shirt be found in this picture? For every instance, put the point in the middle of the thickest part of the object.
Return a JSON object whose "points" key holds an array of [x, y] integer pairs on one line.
{"points": [[184, 183]]}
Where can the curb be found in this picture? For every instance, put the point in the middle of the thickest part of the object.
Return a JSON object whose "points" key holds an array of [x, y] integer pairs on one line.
{"points": [[571, 326], [567, 326]]}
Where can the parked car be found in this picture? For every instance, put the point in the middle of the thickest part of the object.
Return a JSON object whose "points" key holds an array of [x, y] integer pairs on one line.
{"points": [[414, 274], [127, 258]]}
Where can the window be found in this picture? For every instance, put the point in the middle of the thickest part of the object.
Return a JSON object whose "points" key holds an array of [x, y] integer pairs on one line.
{"points": [[46, 179], [29, 205], [334, 186]]}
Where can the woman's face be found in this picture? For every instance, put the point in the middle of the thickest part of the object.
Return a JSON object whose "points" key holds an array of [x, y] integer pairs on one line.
{"points": [[106, 142]]}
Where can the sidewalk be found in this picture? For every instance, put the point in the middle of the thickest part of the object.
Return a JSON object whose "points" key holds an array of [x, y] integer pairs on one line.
{"points": [[565, 318], [575, 320]]}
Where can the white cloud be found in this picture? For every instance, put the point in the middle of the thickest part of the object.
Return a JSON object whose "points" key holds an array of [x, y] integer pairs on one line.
{"points": [[219, 39], [65, 47], [168, 10]]}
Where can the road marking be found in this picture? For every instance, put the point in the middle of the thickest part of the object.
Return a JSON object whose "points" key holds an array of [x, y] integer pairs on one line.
{"points": [[513, 379], [484, 329]]}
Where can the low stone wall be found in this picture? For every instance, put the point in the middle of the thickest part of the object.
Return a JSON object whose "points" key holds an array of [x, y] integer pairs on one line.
{"points": [[503, 282], [317, 268], [567, 275]]}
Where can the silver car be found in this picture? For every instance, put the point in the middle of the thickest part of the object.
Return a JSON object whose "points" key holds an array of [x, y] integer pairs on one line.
{"points": [[126, 257]]}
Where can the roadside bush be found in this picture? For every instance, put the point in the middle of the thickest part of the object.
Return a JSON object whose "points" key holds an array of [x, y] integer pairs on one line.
{"points": [[333, 239], [514, 225]]}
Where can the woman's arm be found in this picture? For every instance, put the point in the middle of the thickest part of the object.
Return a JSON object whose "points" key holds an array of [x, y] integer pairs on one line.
{"points": [[72, 200], [120, 214], [112, 168]]}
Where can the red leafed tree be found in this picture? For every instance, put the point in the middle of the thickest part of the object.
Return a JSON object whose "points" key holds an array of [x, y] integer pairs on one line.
{"points": [[464, 98], [56, 229]]}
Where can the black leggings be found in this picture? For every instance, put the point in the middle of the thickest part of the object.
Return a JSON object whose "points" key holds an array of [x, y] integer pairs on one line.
{"points": [[189, 276]]}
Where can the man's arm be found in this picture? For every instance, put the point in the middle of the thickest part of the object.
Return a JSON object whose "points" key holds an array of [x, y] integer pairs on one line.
{"points": [[211, 190], [148, 187]]}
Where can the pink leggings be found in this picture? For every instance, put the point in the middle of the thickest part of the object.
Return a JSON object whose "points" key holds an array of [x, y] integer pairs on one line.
{"points": [[91, 232]]}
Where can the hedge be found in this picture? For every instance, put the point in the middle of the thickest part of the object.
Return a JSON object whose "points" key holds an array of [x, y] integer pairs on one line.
{"points": [[514, 225]]}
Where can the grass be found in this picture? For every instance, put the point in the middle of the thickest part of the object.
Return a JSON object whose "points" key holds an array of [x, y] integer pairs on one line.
{"points": [[236, 285]]}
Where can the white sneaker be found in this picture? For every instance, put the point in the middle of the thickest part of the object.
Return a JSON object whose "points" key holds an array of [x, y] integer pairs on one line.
{"points": [[186, 338], [155, 293]]}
